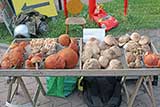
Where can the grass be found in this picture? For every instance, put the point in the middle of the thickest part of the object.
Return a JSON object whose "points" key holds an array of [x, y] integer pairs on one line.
{"points": [[142, 14]]}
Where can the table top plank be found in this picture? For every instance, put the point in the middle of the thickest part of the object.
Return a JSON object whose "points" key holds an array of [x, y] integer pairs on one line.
{"points": [[78, 72]]}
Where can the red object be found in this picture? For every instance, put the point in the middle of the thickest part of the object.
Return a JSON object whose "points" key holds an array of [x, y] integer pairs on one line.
{"points": [[101, 17], [70, 57], [65, 8], [104, 20], [92, 7], [158, 65], [125, 7], [54, 61], [150, 59]]}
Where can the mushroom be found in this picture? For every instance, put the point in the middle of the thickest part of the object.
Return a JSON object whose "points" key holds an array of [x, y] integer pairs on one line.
{"points": [[130, 57], [36, 59], [144, 40], [74, 45], [135, 36], [131, 45], [87, 54], [104, 61], [93, 40], [64, 40], [146, 48], [109, 53], [123, 39], [102, 52], [5, 64], [102, 45], [116, 50], [29, 64], [91, 64], [131, 64], [96, 56], [70, 56], [93, 47], [115, 64], [138, 63], [54, 61], [109, 40]]}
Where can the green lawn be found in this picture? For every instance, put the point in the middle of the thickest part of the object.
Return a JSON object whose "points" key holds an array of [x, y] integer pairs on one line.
{"points": [[142, 14]]}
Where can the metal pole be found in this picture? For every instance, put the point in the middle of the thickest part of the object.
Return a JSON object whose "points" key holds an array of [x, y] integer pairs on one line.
{"points": [[60, 4], [125, 7], [65, 8], [92, 6]]}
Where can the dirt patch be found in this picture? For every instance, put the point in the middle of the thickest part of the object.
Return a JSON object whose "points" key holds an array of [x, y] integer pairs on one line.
{"points": [[3, 48]]}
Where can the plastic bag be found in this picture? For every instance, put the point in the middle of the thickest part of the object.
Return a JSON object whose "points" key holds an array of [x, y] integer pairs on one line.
{"points": [[60, 86]]}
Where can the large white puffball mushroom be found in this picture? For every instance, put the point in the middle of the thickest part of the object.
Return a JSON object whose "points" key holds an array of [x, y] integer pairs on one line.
{"points": [[104, 61], [110, 54], [91, 64], [87, 54], [116, 50], [115, 64], [103, 45]]}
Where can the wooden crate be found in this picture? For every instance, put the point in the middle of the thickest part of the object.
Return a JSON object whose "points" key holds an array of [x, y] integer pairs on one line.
{"points": [[78, 66]]}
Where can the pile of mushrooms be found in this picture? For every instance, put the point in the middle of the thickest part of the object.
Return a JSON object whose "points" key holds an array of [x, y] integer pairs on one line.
{"points": [[135, 46], [105, 54]]}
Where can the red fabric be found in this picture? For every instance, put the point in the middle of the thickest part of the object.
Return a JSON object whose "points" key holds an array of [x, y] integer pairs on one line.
{"points": [[125, 7], [65, 8], [92, 7]]}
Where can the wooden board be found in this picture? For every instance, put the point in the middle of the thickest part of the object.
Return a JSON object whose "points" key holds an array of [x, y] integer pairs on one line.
{"points": [[78, 72]]}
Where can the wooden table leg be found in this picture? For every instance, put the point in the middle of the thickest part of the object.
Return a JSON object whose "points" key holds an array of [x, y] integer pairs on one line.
{"points": [[9, 96], [123, 80], [83, 26], [21, 82], [133, 95], [151, 91], [126, 92], [67, 29], [9, 92], [15, 91], [35, 97], [27, 95], [146, 88], [41, 86]]}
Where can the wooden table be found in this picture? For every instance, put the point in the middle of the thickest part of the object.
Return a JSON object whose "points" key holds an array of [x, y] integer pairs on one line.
{"points": [[143, 74], [144, 78]]}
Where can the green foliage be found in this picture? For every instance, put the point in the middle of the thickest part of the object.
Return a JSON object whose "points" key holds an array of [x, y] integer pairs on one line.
{"points": [[5, 36], [142, 14]]}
